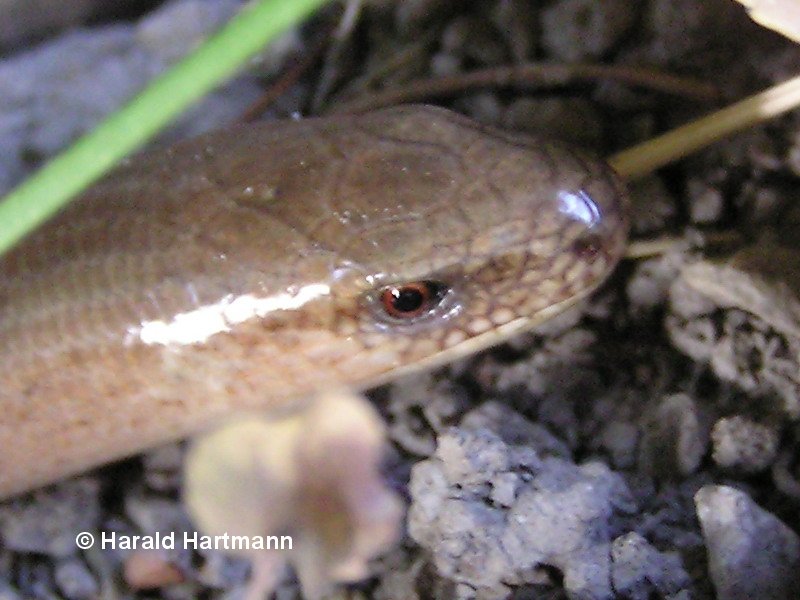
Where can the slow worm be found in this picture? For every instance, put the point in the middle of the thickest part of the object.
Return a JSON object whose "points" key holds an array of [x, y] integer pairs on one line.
{"points": [[250, 268]]}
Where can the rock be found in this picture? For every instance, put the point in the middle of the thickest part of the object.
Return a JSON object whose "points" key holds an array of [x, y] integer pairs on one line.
{"points": [[6, 593], [577, 29], [619, 440], [517, 18], [75, 580], [82, 76], [751, 553], [514, 429], [163, 468], [706, 202], [743, 444], [743, 318], [48, 522], [674, 439], [22, 20], [420, 407], [639, 570], [221, 571], [490, 512], [649, 286], [153, 515], [653, 207], [150, 569]]}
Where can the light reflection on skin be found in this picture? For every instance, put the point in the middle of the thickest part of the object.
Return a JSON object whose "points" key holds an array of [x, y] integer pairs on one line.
{"points": [[198, 325], [580, 206]]}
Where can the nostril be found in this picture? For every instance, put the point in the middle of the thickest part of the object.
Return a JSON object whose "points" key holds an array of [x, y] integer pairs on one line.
{"points": [[587, 247]]}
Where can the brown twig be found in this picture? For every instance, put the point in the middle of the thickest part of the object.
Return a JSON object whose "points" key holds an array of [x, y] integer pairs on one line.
{"points": [[336, 50], [529, 76], [287, 79]]}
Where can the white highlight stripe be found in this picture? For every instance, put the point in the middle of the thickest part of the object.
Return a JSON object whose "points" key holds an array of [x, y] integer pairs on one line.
{"points": [[195, 326]]}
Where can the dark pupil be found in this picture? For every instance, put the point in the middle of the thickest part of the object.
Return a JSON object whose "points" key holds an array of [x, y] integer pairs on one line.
{"points": [[407, 299]]}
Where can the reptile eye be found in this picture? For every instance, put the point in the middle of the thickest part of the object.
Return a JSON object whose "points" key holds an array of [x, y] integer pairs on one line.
{"points": [[409, 300]]}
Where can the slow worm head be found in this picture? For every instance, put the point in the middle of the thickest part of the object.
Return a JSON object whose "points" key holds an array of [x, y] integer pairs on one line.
{"points": [[250, 268]]}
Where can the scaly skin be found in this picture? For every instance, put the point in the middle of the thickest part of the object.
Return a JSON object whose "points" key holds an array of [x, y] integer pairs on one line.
{"points": [[238, 271]]}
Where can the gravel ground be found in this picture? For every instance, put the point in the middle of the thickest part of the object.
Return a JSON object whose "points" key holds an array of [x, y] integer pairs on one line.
{"points": [[643, 446]]}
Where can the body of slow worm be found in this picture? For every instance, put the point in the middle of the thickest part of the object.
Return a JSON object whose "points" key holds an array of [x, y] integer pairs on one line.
{"points": [[250, 268]]}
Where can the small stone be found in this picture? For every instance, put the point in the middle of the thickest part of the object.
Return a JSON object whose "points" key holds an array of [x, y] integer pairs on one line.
{"points": [[48, 522], [163, 467], [517, 19], [793, 154], [470, 458], [401, 577], [619, 440], [514, 429], [170, 29], [639, 570], [751, 553], [75, 580], [484, 537], [420, 407], [63, 87], [6, 593], [34, 579], [653, 207], [150, 569], [443, 64], [504, 489], [745, 445], [468, 39], [705, 202], [687, 27], [577, 29], [25, 20], [153, 514], [674, 439], [222, 571], [649, 286]]}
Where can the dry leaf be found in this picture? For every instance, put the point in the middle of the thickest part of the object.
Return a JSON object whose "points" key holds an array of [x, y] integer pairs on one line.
{"points": [[314, 476], [782, 16]]}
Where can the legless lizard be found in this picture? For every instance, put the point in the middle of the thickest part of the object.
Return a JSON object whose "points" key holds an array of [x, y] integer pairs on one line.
{"points": [[250, 268]]}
